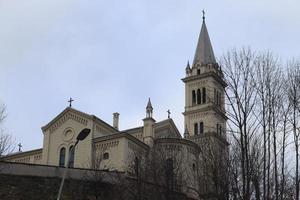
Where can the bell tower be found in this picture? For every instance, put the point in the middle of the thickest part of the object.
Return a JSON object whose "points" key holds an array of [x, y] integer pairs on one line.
{"points": [[204, 113]]}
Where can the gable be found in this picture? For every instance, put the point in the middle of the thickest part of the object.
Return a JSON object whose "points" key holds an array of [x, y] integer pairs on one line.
{"points": [[65, 115], [77, 116], [166, 129]]}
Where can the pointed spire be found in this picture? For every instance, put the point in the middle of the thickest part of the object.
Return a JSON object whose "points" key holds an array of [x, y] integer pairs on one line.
{"points": [[149, 109], [149, 105], [186, 131], [204, 52], [188, 65]]}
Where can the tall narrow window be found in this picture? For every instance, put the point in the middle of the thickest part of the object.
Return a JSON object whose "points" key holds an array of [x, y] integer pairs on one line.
{"points": [[170, 173], [196, 128], [136, 166], [71, 154], [198, 72], [198, 96], [62, 156], [204, 95], [218, 129], [215, 96], [201, 128], [193, 97]]}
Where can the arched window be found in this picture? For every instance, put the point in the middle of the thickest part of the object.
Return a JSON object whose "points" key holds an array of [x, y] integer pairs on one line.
{"points": [[204, 95], [71, 154], [62, 156], [196, 128], [105, 156], [201, 128], [136, 166], [198, 96], [170, 173], [193, 97]]}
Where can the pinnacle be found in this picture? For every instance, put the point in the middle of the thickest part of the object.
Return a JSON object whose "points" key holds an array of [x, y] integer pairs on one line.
{"points": [[149, 105]]}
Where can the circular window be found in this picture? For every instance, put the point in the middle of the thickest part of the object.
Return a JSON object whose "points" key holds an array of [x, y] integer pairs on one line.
{"points": [[68, 135]]}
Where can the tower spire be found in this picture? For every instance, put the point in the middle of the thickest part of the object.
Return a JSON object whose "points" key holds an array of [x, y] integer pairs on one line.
{"points": [[204, 52]]}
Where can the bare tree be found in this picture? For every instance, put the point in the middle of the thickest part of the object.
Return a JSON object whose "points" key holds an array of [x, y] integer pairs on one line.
{"points": [[213, 164], [238, 68], [270, 90], [2, 113], [285, 111], [6, 140], [159, 173], [104, 182], [294, 98]]}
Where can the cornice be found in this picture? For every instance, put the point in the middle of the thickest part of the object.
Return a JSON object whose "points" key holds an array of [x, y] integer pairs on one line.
{"points": [[205, 75], [207, 108], [22, 154], [120, 135]]}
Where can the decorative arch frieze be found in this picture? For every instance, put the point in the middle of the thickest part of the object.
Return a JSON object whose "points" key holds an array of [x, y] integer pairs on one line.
{"points": [[66, 117], [106, 145]]}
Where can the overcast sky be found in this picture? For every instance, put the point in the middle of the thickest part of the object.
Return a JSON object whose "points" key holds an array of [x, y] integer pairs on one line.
{"points": [[110, 56]]}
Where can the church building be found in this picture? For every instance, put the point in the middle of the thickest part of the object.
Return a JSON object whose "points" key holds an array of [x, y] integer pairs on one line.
{"points": [[204, 132]]}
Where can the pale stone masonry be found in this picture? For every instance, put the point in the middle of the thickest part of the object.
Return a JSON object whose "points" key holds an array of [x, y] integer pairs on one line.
{"points": [[204, 122]]}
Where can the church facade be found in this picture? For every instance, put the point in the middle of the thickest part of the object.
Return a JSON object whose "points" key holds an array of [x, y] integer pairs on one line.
{"points": [[204, 136]]}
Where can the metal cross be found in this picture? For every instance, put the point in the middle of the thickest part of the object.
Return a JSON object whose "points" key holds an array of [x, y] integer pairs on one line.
{"points": [[70, 101], [169, 113], [19, 145], [203, 15]]}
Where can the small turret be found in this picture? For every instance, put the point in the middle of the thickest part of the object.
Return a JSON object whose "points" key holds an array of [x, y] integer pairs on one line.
{"points": [[148, 130], [186, 133]]}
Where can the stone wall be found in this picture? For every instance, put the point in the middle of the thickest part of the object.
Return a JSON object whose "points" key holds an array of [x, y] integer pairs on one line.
{"points": [[18, 182]]}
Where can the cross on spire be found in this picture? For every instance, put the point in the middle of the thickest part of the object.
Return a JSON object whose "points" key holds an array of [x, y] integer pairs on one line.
{"points": [[169, 113], [204, 52], [20, 146], [70, 102]]}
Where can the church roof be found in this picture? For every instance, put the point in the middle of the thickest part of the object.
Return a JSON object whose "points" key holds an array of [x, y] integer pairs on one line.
{"points": [[204, 52], [158, 126], [119, 135], [69, 109], [22, 153]]}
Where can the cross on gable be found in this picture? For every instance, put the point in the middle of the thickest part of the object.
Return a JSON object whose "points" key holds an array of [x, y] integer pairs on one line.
{"points": [[70, 102], [19, 145], [169, 113]]}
